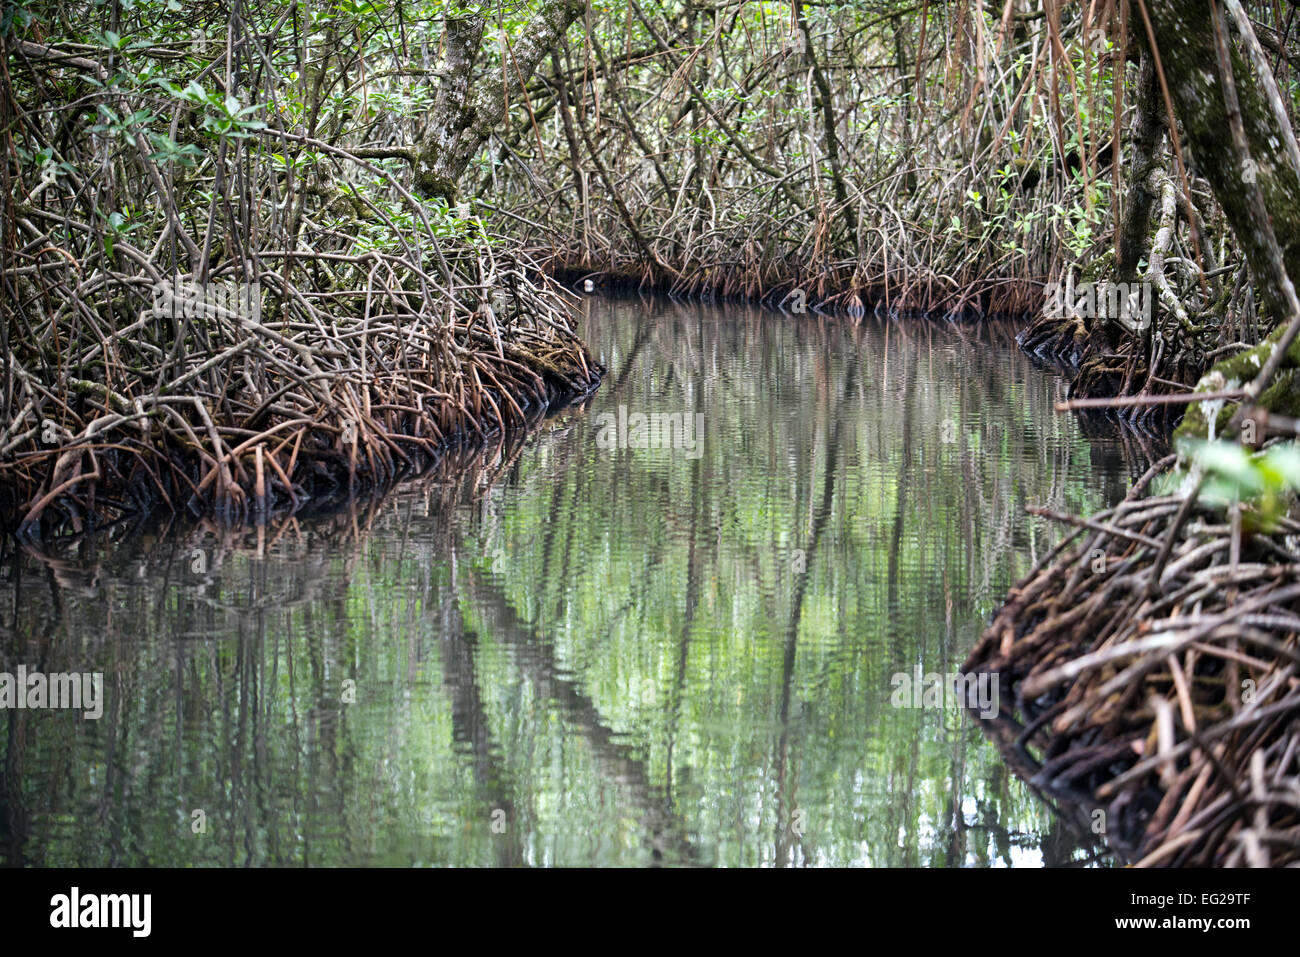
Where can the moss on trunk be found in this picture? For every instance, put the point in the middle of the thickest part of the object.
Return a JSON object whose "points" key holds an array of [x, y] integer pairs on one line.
{"points": [[1184, 34]]}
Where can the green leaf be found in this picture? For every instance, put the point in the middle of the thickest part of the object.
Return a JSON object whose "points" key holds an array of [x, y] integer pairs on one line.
{"points": [[1226, 459], [1282, 464]]}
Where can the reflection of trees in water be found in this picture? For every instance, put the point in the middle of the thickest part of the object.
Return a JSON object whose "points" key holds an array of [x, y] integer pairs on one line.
{"points": [[523, 688], [988, 498]]}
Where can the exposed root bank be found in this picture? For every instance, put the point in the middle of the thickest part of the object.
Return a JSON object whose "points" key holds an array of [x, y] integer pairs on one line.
{"points": [[319, 531], [835, 289], [341, 391], [1150, 679]]}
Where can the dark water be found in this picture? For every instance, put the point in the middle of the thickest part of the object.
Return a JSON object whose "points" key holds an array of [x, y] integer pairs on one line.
{"points": [[569, 654]]}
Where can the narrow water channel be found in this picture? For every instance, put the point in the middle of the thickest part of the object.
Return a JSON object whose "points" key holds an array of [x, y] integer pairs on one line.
{"points": [[578, 650]]}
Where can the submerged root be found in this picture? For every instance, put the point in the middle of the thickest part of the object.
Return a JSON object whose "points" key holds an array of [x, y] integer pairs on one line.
{"points": [[1057, 339]]}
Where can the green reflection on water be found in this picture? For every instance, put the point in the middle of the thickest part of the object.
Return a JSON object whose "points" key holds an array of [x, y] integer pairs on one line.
{"points": [[569, 654]]}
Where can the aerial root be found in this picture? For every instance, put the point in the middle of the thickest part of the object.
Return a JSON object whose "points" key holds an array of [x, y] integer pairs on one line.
{"points": [[1149, 674]]}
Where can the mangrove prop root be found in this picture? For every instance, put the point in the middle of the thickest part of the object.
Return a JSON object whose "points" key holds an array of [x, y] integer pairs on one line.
{"points": [[310, 333], [346, 388], [1150, 673]]}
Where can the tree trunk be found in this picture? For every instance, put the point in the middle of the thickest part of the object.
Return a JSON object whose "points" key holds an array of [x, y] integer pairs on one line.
{"points": [[1184, 34], [462, 117], [1147, 139]]}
